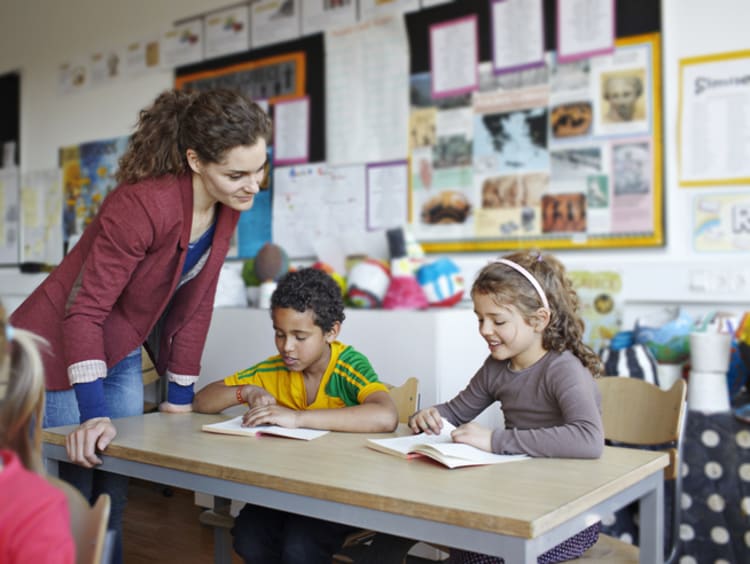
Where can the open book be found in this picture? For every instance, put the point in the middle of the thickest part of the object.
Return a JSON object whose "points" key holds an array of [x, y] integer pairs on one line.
{"points": [[234, 427], [441, 448]]}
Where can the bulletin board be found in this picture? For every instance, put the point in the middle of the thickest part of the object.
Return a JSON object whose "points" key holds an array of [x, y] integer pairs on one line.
{"points": [[534, 158]]}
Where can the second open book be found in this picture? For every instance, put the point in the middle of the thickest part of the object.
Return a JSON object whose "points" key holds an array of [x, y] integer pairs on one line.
{"points": [[234, 427], [441, 448]]}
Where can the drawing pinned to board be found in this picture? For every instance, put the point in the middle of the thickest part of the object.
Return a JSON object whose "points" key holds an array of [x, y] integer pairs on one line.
{"points": [[88, 176], [721, 222]]}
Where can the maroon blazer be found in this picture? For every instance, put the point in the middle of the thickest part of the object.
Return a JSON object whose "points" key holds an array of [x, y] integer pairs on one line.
{"points": [[112, 288]]}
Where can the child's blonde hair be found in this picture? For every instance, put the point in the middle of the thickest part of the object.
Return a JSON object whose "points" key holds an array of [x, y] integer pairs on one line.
{"points": [[507, 285], [21, 393]]}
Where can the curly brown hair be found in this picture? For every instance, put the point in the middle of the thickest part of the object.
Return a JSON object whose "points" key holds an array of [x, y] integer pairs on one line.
{"points": [[314, 290], [508, 286], [210, 122]]}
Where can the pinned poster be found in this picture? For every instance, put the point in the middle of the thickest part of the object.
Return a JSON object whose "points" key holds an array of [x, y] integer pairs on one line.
{"points": [[291, 135], [454, 57], [183, 44], [517, 35], [322, 15], [585, 28], [227, 31], [273, 21]]}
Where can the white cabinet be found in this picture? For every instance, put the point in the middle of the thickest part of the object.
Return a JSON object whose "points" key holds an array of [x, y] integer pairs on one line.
{"points": [[441, 347]]}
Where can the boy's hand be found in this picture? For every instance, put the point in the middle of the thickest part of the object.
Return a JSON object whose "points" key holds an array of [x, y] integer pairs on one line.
{"points": [[474, 435], [256, 396], [426, 420], [270, 415]]}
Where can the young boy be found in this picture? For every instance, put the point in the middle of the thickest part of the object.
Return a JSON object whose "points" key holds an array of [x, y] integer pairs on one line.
{"points": [[314, 382]]}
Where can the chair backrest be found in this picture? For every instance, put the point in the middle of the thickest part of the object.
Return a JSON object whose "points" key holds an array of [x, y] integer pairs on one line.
{"points": [[405, 397], [637, 413], [89, 524]]}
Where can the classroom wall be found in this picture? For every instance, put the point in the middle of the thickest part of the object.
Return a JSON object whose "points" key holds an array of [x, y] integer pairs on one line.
{"points": [[37, 35]]}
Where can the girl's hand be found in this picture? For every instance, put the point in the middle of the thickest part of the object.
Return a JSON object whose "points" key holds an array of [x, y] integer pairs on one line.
{"points": [[474, 435], [92, 435], [426, 420], [256, 396], [270, 415]]}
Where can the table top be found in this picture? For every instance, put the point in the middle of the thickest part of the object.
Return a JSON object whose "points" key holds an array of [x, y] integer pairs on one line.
{"points": [[523, 498]]}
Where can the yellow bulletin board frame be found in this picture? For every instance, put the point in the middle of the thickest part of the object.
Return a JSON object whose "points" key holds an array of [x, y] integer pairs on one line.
{"points": [[700, 60], [577, 240]]}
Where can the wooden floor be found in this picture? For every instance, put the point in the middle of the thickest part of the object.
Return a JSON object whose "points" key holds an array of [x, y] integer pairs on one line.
{"points": [[165, 529]]}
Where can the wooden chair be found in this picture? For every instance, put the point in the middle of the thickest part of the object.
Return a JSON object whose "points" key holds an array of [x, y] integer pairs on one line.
{"points": [[636, 413], [89, 524]]}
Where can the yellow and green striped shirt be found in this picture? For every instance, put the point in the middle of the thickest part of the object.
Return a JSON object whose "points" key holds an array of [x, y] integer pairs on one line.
{"points": [[347, 381]]}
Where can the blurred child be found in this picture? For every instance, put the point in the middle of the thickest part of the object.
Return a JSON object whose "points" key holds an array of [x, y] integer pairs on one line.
{"points": [[538, 368], [314, 382], [34, 516]]}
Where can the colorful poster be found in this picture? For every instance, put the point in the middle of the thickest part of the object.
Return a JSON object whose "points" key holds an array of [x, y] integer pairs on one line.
{"points": [[601, 305], [183, 44], [88, 176], [721, 222], [227, 31], [254, 227], [274, 21], [41, 220]]}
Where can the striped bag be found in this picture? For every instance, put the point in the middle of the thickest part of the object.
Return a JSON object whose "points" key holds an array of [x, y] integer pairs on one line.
{"points": [[635, 361]]}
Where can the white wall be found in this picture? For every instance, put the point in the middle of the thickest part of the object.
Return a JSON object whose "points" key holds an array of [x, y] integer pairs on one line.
{"points": [[37, 35]]}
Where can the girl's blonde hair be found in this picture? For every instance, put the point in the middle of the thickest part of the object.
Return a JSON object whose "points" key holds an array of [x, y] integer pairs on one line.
{"points": [[21, 393], [507, 285]]}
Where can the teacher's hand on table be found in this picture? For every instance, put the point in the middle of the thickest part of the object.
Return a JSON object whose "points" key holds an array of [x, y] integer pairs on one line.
{"points": [[92, 435]]}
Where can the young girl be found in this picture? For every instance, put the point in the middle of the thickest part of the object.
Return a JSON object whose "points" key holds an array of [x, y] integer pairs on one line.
{"points": [[538, 369], [34, 517]]}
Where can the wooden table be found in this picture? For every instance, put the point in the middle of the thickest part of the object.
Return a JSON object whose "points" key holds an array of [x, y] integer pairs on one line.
{"points": [[516, 510]]}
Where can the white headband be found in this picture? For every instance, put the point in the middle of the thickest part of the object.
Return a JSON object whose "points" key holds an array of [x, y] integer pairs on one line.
{"points": [[526, 274]]}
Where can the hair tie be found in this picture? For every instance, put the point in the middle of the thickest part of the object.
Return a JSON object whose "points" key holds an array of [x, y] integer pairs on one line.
{"points": [[526, 274], [9, 331]]}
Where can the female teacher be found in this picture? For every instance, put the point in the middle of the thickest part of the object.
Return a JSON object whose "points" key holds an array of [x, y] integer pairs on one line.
{"points": [[144, 272]]}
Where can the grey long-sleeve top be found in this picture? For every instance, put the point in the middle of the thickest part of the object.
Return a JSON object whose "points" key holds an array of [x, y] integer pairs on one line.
{"points": [[552, 408]]}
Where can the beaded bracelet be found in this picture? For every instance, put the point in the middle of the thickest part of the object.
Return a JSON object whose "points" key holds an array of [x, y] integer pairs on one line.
{"points": [[238, 393]]}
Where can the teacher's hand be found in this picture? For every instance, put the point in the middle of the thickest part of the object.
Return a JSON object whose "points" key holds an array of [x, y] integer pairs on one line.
{"points": [[92, 435]]}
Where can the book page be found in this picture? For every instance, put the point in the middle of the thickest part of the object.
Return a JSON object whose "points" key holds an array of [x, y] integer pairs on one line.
{"points": [[406, 444], [234, 427], [454, 455]]}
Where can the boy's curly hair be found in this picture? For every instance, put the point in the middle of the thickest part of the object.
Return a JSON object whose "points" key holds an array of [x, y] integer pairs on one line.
{"points": [[311, 289]]}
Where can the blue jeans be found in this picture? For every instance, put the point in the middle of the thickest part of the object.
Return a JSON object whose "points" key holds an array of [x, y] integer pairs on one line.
{"points": [[123, 392], [268, 536]]}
